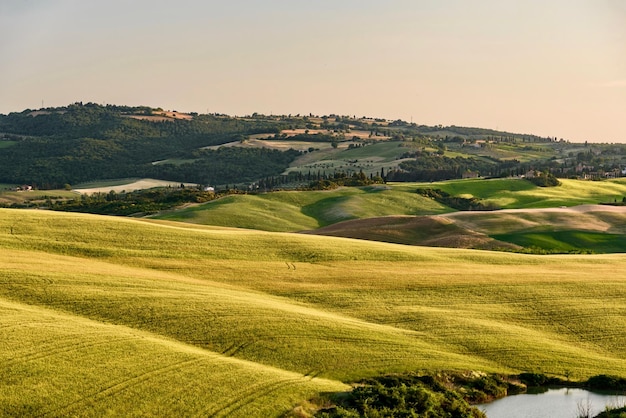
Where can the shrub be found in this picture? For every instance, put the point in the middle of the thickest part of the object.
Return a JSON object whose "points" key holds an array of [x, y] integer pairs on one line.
{"points": [[606, 382], [456, 202], [544, 180], [537, 379], [402, 396]]}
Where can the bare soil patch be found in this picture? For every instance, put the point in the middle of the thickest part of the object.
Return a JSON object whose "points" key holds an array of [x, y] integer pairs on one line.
{"points": [[348, 135], [292, 132], [44, 112], [599, 218], [432, 231], [160, 116], [129, 187]]}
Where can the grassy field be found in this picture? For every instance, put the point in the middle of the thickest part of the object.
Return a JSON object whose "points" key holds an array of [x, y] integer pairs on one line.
{"points": [[431, 231], [565, 241], [59, 364], [211, 321], [521, 194], [11, 197], [326, 158], [106, 183], [597, 228], [7, 144], [370, 158], [506, 151], [297, 211], [120, 185]]}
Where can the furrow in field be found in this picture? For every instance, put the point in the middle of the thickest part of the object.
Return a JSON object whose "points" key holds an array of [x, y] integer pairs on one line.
{"points": [[394, 308], [247, 396], [246, 324], [67, 345], [136, 373], [117, 386]]}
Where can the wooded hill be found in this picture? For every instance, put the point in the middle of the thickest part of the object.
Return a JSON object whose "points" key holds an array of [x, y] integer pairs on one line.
{"points": [[80, 143], [53, 147]]}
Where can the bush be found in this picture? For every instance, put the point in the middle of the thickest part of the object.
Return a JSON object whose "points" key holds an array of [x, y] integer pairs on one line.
{"points": [[544, 180], [613, 413], [538, 379], [402, 396], [456, 202], [606, 382]]}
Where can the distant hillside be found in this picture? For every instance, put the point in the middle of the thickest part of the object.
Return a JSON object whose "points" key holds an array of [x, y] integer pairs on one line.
{"points": [[51, 147], [567, 218], [590, 228], [79, 143]]}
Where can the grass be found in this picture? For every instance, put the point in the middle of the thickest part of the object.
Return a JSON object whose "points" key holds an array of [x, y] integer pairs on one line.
{"points": [[523, 152], [58, 364], [11, 197], [7, 144], [124, 185], [276, 213], [107, 315], [387, 150], [297, 211], [343, 277], [105, 183], [520, 152], [370, 158], [521, 194], [600, 230], [434, 231], [568, 241]]}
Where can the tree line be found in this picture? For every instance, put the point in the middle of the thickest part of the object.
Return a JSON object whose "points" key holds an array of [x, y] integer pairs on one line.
{"points": [[81, 143]]}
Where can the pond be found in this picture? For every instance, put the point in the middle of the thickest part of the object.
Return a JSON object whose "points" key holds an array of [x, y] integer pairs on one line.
{"points": [[553, 403]]}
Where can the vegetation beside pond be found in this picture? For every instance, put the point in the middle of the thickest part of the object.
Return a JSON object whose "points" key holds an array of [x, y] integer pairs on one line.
{"points": [[613, 413], [446, 394]]}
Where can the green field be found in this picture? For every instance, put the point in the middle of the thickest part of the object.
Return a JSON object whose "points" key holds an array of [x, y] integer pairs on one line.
{"points": [[568, 241], [7, 144], [521, 194], [60, 364], [109, 316], [105, 183], [13, 197], [296, 211], [370, 158]]}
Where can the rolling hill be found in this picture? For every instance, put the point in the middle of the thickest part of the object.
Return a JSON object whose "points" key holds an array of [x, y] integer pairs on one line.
{"points": [[217, 321], [290, 211], [222, 309], [587, 228], [560, 219], [431, 231]]}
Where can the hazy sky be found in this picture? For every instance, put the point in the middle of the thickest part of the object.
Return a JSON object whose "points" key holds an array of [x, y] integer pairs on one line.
{"points": [[547, 67]]}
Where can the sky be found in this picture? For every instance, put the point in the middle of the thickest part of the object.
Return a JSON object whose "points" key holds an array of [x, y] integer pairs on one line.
{"points": [[545, 67]]}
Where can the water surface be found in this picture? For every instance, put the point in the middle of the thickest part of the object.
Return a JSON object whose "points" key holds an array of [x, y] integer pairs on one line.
{"points": [[553, 403]]}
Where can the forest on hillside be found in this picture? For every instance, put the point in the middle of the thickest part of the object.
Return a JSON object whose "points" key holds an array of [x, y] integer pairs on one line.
{"points": [[55, 147], [81, 143]]}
